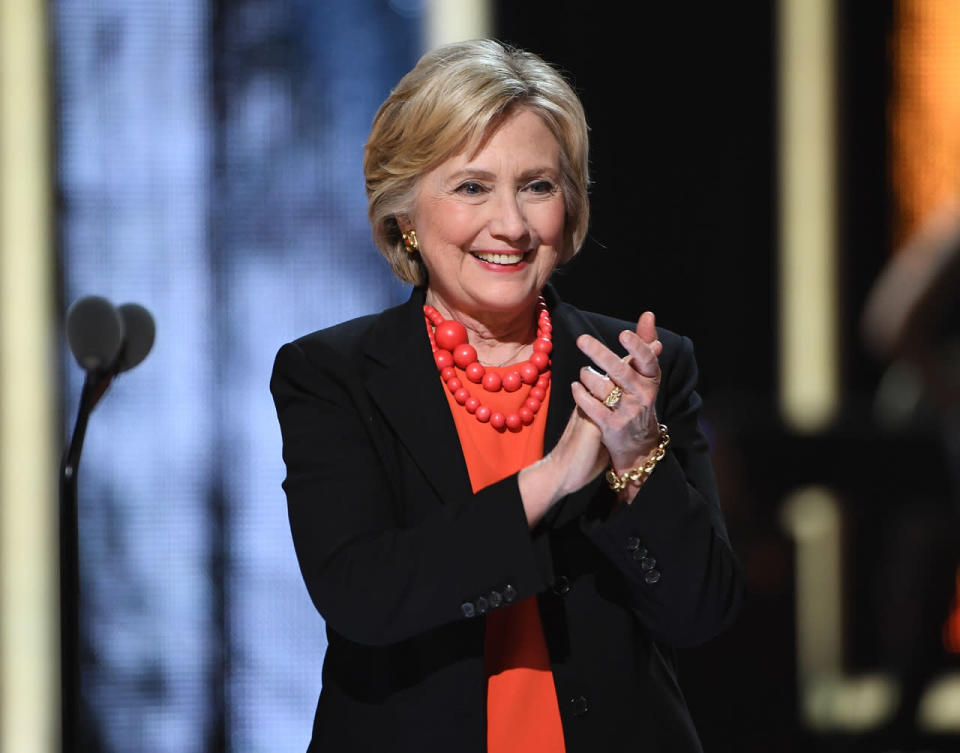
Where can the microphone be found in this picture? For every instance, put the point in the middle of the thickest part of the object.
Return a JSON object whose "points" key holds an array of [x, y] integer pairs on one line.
{"points": [[95, 332], [107, 340], [139, 332]]}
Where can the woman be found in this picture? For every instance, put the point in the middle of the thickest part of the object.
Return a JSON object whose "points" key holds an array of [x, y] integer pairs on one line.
{"points": [[485, 585]]}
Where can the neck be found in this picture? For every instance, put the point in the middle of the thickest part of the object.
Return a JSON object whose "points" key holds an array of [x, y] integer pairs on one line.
{"points": [[499, 336]]}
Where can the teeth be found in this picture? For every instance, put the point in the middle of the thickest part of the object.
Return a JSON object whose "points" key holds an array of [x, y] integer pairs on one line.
{"points": [[499, 258]]}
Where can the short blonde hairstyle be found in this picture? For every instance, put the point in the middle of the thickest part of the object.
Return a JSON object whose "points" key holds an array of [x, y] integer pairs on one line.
{"points": [[452, 100]]}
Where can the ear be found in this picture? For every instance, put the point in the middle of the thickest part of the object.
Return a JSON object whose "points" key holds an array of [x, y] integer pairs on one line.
{"points": [[404, 223]]}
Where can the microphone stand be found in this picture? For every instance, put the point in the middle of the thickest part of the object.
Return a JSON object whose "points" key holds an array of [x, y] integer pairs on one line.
{"points": [[94, 386]]}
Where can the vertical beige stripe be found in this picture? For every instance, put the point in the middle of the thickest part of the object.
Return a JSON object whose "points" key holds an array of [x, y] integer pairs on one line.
{"points": [[808, 298], [456, 20], [29, 642]]}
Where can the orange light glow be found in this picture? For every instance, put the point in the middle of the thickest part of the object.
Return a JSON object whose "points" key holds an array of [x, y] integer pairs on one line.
{"points": [[924, 110]]}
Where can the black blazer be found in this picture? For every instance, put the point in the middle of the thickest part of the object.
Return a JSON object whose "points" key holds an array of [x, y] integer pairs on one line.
{"points": [[402, 559]]}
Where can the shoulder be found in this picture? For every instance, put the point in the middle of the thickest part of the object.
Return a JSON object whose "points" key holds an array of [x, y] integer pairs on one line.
{"points": [[346, 342], [343, 339]]}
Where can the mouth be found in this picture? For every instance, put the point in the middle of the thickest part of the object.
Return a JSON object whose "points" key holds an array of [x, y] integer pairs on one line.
{"points": [[511, 259]]}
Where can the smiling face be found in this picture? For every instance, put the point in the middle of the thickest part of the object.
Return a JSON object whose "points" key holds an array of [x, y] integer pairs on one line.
{"points": [[490, 225]]}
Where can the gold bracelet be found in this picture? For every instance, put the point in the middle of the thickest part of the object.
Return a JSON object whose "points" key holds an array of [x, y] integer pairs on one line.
{"points": [[639, 474]]}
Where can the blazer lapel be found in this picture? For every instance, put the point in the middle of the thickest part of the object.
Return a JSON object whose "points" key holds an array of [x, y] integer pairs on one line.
{"points": [[402, 379]]}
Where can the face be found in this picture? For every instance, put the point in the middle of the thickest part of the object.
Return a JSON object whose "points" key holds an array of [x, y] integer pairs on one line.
{"points": [[490, 225]]}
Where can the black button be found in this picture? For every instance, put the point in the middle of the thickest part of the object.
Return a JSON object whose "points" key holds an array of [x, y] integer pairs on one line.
{"points": [[580, 705], [467, 609], [509, 594], [647, 563], [639, 554], [561, 585], [495, 598], [651, 576], [633, 543], [482, 605]]}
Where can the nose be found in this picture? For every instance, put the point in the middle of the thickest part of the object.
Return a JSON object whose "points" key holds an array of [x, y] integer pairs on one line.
{"points": [[507, 221]]}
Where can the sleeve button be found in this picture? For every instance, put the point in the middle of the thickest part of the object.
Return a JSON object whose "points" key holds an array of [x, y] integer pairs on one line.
{"points": [[467, 609], [651, 576], [509, 594], [482, 605], [633, 543], [561, 586], [495, 598], [647, 563], [639, 554]]}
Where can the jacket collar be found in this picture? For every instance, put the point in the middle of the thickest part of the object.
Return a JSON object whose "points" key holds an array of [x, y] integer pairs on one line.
{"points": [[402, 379]]}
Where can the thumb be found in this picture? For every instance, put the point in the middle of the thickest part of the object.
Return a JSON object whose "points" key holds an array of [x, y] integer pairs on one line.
{"points": [[647, 331], [647, 327]]}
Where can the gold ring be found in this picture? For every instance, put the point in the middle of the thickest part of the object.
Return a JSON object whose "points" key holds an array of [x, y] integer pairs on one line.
{"points": [[613, 398]]}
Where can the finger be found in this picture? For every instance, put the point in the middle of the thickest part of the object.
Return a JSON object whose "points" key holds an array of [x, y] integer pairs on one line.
{"points": [[596, 383], [643, 355], [647, 327], [620, 370], [605, 359], [594, 410], [647, 331]]}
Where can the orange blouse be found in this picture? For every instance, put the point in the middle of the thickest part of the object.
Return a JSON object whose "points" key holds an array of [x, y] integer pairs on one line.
{"points": [[522, 711]]}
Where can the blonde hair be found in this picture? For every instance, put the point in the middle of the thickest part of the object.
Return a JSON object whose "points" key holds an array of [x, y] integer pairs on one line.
{"points": [[452, 100]]}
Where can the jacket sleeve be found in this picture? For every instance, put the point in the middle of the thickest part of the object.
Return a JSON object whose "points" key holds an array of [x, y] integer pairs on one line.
{"points": [[376, 577], [671, 542]]}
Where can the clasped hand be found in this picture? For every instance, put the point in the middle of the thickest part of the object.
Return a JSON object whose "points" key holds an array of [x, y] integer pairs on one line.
{"points": [[596, 436], [629, 430]]}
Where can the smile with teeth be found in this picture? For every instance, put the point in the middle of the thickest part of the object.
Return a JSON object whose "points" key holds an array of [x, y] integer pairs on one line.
{"points": [[497, 258]]}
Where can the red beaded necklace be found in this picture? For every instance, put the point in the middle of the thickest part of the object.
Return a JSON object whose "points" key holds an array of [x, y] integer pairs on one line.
{"points": [[450, 348]]}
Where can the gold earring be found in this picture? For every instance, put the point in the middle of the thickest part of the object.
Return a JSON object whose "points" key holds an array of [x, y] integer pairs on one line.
{"points": [[410, 241]]}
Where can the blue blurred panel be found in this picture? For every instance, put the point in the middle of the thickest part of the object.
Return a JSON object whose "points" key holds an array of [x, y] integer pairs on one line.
{"points": [[298, 85], [210, 169], [134, 176]]}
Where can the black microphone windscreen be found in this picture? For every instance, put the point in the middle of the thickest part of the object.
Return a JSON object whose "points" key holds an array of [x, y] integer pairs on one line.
{"points": [[95, 332], [140, 331]]}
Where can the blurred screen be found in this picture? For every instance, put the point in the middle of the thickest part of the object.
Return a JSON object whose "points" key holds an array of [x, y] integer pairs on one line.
{"points": [[209, 168]]}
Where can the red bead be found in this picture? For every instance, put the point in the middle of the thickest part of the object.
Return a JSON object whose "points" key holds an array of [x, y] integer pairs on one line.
{"points": [[538, 393], [450, 334], [532, 403], [443, 359], [448, 373], [483, 413], [544, 381], [472, 404], [529, 373], [514, 422], [512, 381], [454, 384], [546, 326], [428, 311], [461, 395], [526, 415], [491, 381], [540, 345], [540, 360], [464, 354], [475, 372], [498, 420]]}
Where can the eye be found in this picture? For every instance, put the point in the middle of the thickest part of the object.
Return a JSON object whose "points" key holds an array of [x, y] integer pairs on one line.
{"points": [[470, 188], [540, 187]]}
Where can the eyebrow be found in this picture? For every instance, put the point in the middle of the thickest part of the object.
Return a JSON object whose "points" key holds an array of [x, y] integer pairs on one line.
{"points": [[479, 174]]}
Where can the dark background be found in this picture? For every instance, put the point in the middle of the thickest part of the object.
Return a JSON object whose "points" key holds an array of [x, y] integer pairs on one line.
{"points": [[682, 105]]}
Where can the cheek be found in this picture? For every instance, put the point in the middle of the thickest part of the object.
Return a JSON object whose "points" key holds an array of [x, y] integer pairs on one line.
{"points": [[551, 223]]}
